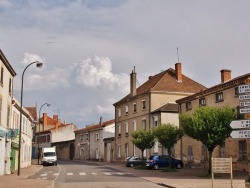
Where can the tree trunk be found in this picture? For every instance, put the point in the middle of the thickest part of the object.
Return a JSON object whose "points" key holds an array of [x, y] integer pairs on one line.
{"points": [[210, 162], [170, 155], [142, 155]]}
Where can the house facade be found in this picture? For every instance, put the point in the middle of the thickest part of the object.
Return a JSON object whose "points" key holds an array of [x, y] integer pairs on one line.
{"points": [[7, 74], [224, 94], [143, 108], [95, 142]]}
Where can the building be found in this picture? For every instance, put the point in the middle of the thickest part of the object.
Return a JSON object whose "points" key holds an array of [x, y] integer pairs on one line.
{"points": [[224, 94], [149, 105], [95, 141], [7, 74], [54, 133]]}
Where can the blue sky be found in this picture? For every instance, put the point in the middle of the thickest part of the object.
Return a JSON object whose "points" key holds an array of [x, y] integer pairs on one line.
{"points": [[89, 48]]}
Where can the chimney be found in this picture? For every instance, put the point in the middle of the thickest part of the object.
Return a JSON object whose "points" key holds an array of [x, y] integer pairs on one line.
{"points": [[55, 117], [100, 120], [133, 83], [45, 119], [178, 72], [225, 75]]}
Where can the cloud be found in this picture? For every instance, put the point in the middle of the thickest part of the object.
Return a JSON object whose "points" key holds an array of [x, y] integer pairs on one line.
{"points": [[96, 72], [29, 58]]}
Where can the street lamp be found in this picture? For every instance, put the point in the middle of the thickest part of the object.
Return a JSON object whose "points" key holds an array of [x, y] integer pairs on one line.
{"points": [[38, 64], [38, 140]]}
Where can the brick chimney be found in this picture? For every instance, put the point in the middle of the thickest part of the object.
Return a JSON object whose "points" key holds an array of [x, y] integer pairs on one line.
{"points": [[45, 119], [100, 122], [225, 75], [133, 83], [178, 72]]}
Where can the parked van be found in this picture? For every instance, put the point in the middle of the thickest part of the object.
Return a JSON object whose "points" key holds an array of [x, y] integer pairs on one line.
{"points": [[49, 156]]}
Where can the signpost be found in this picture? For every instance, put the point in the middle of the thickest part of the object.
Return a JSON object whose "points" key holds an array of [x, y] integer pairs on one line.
{"points": [[244, 88], [244, 104], [244, 97], [240, 134], [240, 124]]}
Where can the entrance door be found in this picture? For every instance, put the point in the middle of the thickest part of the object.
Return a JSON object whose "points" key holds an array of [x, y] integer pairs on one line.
{"points": [[71, 151]]}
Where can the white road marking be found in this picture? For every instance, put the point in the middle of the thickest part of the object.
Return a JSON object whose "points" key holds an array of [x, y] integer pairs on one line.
{"points": [[70, 174], [107, 173], [94, 173], [56, 174], [120, 173], [82, 173], [44, 178], [43, 174]]}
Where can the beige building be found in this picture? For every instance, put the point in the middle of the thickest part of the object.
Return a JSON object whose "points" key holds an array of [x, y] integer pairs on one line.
{"points": [[149, 105], [224, 94]]}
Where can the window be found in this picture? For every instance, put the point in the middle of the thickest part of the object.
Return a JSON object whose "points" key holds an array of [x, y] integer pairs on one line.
{"points": [[119, 130], [144, 126], [134, 106], [188, 106], [204, 153], [134, 125], [48, 138], [242, 150], [155, 119], [222, 150], [218, 97], [10, 86], [81, 137], [143, 104], [87, 136], [126, 150], [81, 151], [156, 147], [97, 136], [190, 153], [135, 150], [126, 126], [119, 112], [236, 91], [126, 110], [1, 80], [119, 151], [202, 102], [1, 103]]}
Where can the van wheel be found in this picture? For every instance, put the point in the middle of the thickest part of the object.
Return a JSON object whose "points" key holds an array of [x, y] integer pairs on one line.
{"points": [[156, 167], [178, 166], [132, 165]]}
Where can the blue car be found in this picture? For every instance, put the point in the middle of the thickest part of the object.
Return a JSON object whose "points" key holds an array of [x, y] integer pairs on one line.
{"points": [[158, 161]]}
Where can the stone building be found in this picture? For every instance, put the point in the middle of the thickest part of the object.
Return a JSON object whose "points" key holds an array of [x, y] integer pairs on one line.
{"points": [[95, 141], [224, 94], [149, 105]]}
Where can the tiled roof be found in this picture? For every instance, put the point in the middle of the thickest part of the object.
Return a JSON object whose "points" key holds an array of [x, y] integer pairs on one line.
{"points": [[166, 81], [32, 111], [96, 127], [169, 107]]}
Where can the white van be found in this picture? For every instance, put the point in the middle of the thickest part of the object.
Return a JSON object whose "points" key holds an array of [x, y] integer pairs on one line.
{"points": [[49, 156]]}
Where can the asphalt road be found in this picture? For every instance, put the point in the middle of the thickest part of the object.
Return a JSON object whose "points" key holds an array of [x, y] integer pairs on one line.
{"points": [[74, 174]]}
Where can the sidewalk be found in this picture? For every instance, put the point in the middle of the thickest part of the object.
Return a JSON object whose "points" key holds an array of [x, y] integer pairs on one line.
{"points": [[15, 181]]}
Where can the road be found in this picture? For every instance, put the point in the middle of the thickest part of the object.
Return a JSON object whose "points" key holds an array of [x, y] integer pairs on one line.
{"points": [[74, 174]]}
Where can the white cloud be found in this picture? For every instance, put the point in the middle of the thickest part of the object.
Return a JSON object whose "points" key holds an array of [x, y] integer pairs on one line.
{"points": [[96, 72], [29, 58]]}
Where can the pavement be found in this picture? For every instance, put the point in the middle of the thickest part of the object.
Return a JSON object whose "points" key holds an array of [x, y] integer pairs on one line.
{"points": [[182, 178]]}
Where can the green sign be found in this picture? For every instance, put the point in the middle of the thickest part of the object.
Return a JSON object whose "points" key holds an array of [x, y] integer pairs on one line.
{"points": [[12, 133]]}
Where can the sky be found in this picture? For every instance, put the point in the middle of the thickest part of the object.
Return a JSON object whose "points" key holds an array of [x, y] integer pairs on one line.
{"points": [[90, 47]]}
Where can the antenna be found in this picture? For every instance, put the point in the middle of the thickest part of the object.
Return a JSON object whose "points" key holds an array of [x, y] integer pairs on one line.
{"points": [[178, 54]]}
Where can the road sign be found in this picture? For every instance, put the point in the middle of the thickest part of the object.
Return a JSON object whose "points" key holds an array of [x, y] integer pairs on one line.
{"points": [[240, 124], [244, 97], [244, 104], [240, 134], [244, 110], [244, 88]]}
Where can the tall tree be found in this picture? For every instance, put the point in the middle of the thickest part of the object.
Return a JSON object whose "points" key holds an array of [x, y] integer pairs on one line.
{"points": [[210, 125], [168, 134], [143, 139]]}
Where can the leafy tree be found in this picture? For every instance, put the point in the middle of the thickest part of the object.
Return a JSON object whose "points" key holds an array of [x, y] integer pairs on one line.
{"points": [[209, 125], [143, 139], [167, 135]]}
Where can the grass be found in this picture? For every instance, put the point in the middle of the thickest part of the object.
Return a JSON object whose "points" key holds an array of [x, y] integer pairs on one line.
{"points": [[140, 167]]}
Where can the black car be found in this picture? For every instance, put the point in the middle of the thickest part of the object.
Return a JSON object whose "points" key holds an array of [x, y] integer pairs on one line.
{"points": [[157, 161], [133, 161]]}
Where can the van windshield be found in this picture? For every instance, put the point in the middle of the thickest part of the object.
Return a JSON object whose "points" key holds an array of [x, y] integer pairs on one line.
{"points": [[48, 154]]}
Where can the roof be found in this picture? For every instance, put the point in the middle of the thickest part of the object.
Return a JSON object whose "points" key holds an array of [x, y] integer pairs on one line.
{"points": [[165, 81], [32, 111], [7, 64], [230, 83], [96, 127], [169, 107]]}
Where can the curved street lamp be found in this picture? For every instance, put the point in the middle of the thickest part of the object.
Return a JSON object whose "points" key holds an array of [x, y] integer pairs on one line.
{"points": [[38, 64], [38, 135]]}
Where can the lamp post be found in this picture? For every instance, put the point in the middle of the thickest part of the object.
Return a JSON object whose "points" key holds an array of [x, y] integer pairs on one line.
{"points": [[38, 139], [38, 64]]}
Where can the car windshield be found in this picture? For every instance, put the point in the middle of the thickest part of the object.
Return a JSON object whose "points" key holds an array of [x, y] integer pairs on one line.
{"points": [[49, 154]]}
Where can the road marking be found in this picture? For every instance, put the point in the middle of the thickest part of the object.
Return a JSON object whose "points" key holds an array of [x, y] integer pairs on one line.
{"points": [[44, 178], [107, 173], [120, 173], [82, 173], [56, 174], [43, 175], [70, 174], [94, 173]]}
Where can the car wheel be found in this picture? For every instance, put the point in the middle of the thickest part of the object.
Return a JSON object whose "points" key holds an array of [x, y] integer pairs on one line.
{"points": [[156, 167], [132, 165], [178, 166]]}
